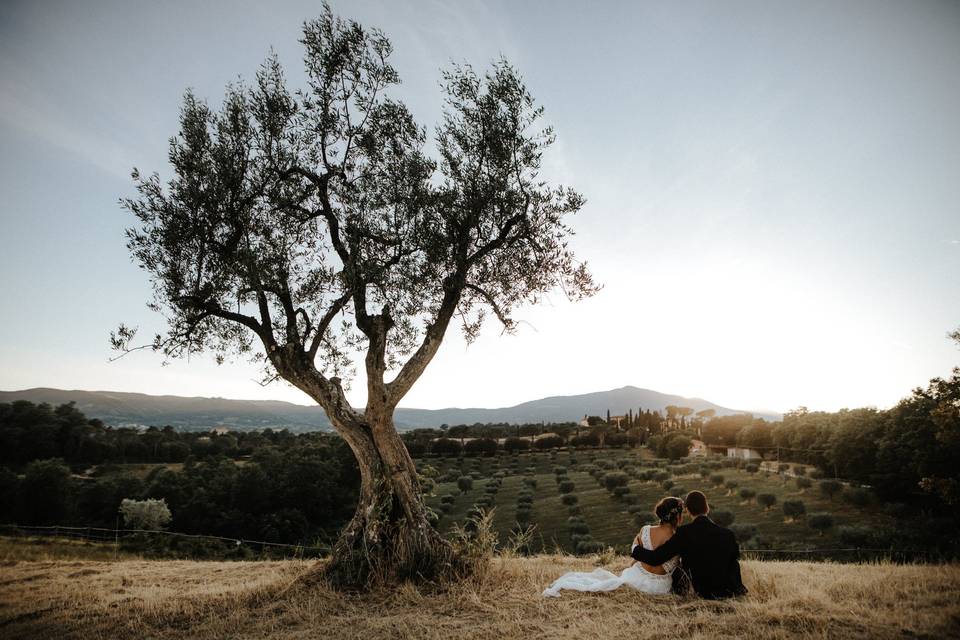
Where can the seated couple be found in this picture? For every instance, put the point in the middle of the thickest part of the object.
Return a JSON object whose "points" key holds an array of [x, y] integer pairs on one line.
{"points": [[672, 556]]}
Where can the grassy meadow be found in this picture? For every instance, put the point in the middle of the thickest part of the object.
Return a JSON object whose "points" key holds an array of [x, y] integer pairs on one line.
{"points": [[134, 599], [609, 518]]}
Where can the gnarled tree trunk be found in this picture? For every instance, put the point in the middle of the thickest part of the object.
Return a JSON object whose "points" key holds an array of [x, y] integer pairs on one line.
{"points": [[389, 537]]}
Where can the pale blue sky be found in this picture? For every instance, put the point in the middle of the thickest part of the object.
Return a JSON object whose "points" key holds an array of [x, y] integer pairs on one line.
{"points": [[773, 188]]}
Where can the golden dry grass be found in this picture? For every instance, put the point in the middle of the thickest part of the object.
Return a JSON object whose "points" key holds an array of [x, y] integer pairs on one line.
{"points": [[180, 599]]}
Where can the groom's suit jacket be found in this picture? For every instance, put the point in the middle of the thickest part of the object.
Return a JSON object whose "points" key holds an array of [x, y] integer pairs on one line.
{"points": [[710, 554]]}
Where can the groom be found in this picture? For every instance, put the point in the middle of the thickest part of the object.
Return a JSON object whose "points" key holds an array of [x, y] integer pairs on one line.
{"points": [[709, 552]]}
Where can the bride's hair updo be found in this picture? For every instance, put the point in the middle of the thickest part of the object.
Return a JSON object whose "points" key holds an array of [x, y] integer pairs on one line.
{"points": [[669, 510]]}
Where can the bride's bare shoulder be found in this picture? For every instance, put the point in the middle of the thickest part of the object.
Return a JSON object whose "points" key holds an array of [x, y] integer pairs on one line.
{"points": [[660, 534]]}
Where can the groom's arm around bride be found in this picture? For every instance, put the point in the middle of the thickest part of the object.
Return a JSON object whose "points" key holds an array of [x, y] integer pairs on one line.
{"points": [[709, 552]]}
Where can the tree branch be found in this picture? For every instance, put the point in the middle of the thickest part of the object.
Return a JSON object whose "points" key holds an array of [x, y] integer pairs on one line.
{"points": [[324, 323], [414, 367], [508, 324]]}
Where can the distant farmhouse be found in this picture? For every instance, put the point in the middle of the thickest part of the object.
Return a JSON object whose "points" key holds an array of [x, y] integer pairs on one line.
{"points": [[744, 453]]}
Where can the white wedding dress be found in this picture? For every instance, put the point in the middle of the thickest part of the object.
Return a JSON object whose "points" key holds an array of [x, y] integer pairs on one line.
{"points": [[633, 576]]}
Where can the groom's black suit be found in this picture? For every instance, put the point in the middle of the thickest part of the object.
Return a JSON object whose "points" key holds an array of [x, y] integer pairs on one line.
{"points": [[709, 553]]}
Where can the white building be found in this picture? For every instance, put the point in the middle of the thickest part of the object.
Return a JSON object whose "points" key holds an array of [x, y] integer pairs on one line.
{"points": [[744, 454]]}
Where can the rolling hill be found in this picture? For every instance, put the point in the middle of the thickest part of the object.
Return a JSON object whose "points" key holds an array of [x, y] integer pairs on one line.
{"points": [[197, 413]]}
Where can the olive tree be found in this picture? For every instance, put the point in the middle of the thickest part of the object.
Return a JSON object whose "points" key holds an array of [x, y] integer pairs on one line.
{"points": [[147, 514], [313, 230]]}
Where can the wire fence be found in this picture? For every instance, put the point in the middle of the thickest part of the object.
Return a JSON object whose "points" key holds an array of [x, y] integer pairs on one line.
{"points": [[854, 554], [125, 536], [115, 536]]}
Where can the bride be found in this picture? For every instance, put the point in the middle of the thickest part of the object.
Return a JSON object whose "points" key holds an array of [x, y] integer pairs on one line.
{"points": [[640, 576]]}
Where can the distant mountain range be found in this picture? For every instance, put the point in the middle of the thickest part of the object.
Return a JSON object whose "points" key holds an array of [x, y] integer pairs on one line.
{"points": [[139, 409]]}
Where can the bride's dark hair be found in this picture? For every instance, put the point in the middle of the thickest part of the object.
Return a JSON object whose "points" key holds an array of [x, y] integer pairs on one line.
{"points": [[669, 510]]}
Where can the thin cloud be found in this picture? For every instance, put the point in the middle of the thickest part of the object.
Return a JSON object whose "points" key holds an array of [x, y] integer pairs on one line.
{"points": [[23, 109]]}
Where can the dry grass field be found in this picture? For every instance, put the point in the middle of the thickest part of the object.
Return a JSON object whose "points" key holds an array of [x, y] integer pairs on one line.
{"points": [[57, 598]]}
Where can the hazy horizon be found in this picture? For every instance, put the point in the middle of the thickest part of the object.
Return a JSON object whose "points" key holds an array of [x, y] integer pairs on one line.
{"points": [[773, 202], [403, 405]]}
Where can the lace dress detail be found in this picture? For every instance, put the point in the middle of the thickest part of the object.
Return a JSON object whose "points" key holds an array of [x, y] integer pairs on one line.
{"points": [[670, 564], [634, 576]]}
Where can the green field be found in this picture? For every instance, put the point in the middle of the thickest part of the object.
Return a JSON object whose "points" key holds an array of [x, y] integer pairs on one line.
{"points": [[608, 517]]}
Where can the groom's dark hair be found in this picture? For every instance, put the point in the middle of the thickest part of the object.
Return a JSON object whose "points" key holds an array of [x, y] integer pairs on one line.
{"points": [[696, 503]]}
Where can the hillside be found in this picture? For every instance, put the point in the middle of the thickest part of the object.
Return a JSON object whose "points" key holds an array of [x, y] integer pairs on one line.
{"points": [[498, 483], [122, 408], [175, 599]]}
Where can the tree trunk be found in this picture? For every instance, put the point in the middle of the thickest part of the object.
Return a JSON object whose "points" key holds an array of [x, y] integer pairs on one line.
{"points": [[389, 538]]}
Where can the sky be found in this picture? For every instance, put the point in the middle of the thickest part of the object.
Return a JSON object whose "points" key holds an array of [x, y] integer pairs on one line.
{"points": [[773, 189]]}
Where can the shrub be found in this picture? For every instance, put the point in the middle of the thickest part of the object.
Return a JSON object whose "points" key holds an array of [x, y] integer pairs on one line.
{"points": [[620, 492], [794, 508], [783, 468], [830, 488], [857, 496], [427, 485], [530, 482], [446, 506], [766, 500], [804, 483], [579, 527], [515, 444], [586, 546], [483, 446], [464, 483], [717, 479], [586, 440], [747, 494], [615, 479], [732, 485], [666, 484], [678, 447], [147, 514], [559, 471], [569, 499], [751, 468], [815, 473], [567, 486], [525, 499], [660, 476], [636, 509], [820, 522], [574, 510], [448, 499], [743, 532], [800, 470], [722, 518], [445, 447], [679, 491], [548, 442]]}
